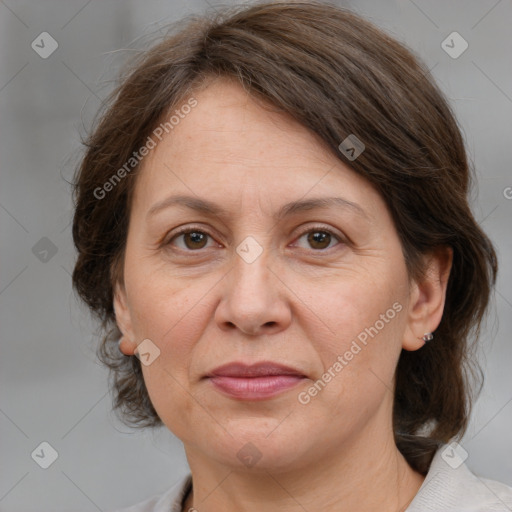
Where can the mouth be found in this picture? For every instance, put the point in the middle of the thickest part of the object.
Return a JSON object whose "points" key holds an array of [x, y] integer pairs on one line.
{"points": [[258, 381]]}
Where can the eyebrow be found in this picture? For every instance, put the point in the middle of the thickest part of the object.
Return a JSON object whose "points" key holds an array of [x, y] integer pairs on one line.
{"points": [[210, 208]]}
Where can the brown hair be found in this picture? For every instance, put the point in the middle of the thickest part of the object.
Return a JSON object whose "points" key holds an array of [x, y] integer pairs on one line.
{"points": [[338, 75]]}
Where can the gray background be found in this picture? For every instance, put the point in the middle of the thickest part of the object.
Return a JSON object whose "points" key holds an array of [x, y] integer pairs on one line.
{"points": [[52, 388]]}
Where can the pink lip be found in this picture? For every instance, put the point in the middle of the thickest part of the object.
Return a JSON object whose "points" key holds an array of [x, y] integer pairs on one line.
{"points": [[254, 382]]}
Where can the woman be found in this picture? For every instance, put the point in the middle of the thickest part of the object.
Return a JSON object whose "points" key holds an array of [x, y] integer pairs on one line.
{"points": [[272, 221]]}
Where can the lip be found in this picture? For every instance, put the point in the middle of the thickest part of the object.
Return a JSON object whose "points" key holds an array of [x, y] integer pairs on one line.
{"points": [[262, 369], [259, 381]]}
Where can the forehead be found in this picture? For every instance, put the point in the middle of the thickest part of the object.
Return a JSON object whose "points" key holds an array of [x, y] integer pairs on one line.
{"points": [[227, 117], [232, 146]]}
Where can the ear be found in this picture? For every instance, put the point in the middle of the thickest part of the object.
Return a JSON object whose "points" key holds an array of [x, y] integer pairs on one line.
{"points": [[427, 298], [127, 343]]}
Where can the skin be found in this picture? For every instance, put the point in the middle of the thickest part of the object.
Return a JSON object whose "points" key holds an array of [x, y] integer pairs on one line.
{"points": [[300, 303]]}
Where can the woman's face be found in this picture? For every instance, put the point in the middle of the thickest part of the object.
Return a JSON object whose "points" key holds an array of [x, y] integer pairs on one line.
{"points": [[299, 266]]}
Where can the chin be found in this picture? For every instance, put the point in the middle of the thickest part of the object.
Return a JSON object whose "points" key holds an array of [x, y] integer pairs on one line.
{"points": [[260, 445]]}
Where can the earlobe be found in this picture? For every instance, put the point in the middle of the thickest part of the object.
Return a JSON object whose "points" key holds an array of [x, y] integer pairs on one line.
{"points": [[428, 297], [127, 344], [127, 347], [412, 341]]}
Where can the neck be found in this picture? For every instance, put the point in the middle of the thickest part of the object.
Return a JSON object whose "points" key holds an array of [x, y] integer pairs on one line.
{"points": [[355, 477]]}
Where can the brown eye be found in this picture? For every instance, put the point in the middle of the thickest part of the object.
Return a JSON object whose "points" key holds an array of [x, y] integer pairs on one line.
{"points": [[190, 239], [319, 239], [195, 239]]}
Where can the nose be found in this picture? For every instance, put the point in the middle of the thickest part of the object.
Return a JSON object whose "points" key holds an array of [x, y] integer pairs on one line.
{"points": [[254, 300]]}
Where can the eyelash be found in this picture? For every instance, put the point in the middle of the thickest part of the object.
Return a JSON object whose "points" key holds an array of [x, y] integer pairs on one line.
{"points": [[191, 229]]}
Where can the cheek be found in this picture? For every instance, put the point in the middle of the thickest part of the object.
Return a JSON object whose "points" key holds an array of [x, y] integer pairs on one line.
{"points": [[359, 352], [356, 305], [170, 397], [173, 316], [363, 316], [175, 328], [165, 309]]}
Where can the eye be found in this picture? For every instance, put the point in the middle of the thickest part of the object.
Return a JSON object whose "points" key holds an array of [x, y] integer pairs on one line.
{"points": [[319, 238], [191, 239]]}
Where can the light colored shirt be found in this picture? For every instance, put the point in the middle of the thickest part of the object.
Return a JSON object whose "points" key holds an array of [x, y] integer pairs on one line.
{"points": [[445, 489]]}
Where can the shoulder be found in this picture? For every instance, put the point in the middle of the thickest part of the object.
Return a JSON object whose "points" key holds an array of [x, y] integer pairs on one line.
{"points": [[451, 486], [169, 501]]}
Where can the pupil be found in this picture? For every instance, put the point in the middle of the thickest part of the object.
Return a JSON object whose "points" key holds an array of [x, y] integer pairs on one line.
{"points": [[195, 237], [319, 237]]}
